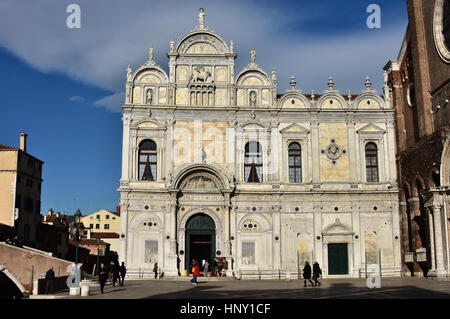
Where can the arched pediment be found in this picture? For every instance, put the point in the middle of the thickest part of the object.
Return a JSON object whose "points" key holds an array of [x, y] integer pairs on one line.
{"points": [[261, 222], [220, 177], [253, 125], [201, 181], [293, 100], [253, 77], [332, 100], [150, 75], [368, 100], [138, 221], [202, 42]]}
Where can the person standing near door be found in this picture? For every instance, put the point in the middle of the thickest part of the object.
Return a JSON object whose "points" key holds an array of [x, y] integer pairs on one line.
{"points": [[205, 268]]}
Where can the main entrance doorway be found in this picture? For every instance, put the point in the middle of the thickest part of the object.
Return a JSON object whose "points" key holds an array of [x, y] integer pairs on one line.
{"points": [[200, 240], [337, 259]]}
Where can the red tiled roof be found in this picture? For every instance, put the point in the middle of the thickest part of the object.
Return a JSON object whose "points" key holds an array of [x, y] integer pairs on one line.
{"points": [[88, 242], [6, 147], [104, 235]]}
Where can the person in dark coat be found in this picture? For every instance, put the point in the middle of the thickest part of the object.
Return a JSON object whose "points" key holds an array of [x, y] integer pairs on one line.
{"points": [[49, 280], [123, 271], [307, 273], [317, 272], [116, 273], [155, 270], [102, 276]]}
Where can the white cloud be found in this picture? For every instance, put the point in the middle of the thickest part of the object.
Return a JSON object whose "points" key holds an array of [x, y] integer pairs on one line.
{"points": [[76, 98], [115, 34]]}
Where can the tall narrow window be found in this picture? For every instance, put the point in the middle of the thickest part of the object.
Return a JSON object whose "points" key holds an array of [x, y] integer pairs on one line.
{"points": [[295, 163], [371, 162], [147, 160], [253, 163]]}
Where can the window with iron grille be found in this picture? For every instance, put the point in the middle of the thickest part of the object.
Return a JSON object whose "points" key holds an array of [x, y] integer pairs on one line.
{"points": [[295, 163], [253, 163], [372, 162], [147, 160]]}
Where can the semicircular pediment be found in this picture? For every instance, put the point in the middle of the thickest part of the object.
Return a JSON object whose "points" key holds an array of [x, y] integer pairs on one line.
{"points": [[201, 181], [202, 43]]}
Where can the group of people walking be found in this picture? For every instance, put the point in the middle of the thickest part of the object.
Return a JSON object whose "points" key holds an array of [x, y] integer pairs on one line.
{"points": [[316, 273], [113, 272]]}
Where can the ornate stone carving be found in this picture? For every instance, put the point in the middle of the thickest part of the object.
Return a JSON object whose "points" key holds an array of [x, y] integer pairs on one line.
{"points": [[201, 74], [250, 226]]}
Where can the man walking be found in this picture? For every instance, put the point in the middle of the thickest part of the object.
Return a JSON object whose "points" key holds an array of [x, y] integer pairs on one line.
{"points": [[49, 280], [317, 272], [307, 273], [155, 270], [116, 274], [123, 271], [102, 276]]}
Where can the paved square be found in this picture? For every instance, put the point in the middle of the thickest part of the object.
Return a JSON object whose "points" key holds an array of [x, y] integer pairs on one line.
{"points": [[271, 289]]}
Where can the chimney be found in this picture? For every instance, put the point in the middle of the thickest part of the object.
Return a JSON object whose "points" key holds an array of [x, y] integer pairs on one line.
{"points": [[23, 141], [50, 212]]}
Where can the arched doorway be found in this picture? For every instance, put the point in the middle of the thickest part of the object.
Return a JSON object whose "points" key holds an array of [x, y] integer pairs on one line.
{"points": [[200, 240]]}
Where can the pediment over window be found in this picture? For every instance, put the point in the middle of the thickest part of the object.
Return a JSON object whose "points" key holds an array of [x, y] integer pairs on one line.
{"points": [[337, 228], [294, 128], [372, 129]]}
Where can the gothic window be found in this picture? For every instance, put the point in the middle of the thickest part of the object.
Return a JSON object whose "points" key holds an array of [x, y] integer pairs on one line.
{"points": [[446, 23], [371, 162], [147, 160], [295, 163], [253, 163]]}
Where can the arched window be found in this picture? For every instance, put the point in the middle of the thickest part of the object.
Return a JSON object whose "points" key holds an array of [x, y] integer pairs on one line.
{"points": [[295, 163], [371, 162], [253, 163], [446, 23], [147, 160]]}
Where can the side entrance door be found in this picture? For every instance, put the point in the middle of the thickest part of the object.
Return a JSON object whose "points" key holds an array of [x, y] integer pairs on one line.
{"points": [[338, 259]]}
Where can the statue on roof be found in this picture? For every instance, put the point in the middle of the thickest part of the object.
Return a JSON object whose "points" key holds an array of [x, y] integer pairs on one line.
{"points": [[201, 17], [253, 55], [129, 73], [151, 54]]}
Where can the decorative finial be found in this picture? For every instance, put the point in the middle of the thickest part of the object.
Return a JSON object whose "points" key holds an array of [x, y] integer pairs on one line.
{"points": [[313, 95], [368, 83], [349, 95], [253, 56], [293, 83], [201, 17], [274, 76], [231, 46], [172, 46], [150, 54], [330, 82]]}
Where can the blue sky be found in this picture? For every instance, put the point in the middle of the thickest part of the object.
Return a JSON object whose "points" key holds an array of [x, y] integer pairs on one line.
{"points": [[64, 86]]}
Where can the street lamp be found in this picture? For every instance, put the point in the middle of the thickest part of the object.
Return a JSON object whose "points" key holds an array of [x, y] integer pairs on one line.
{"points": [[76, 225], [98, 255]]}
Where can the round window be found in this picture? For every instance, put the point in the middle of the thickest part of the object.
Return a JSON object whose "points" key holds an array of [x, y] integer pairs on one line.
{"points": [[441, 28]]}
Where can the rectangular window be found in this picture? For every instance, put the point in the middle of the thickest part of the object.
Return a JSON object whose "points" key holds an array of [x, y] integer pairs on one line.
{"points": [[97, 226], [91, 226], [106, 226], [107, 216], [28, 204], [98, 216]]}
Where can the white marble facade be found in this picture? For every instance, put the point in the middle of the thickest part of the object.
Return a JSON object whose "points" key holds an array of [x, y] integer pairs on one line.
{"points": [[199, 119]]}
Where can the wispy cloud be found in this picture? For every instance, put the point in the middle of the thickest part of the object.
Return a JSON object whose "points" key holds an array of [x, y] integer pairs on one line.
{"points": [[77, 98], [115, 34]]}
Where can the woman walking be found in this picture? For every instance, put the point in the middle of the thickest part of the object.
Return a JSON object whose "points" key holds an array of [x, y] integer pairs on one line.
{"points": [[307, 273], [155, 270], [317, 272], [102, 276]]}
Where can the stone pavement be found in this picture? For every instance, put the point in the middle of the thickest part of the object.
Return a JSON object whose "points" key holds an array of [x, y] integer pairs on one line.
{"points": [[269, 289]]}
